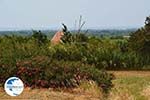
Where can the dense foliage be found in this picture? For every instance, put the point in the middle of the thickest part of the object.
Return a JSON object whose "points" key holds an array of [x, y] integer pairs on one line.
{"points": [[40, 64], [140, 42], [79, 57]]}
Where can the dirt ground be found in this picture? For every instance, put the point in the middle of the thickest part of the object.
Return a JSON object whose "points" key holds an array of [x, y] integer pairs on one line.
{"points": [[131, 73]]}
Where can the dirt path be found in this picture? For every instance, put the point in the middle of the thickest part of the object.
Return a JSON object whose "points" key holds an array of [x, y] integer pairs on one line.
{"points": [[130, 73]]}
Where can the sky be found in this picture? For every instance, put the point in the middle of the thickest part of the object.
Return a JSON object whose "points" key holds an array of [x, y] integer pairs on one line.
{"points": [[49, 14]]}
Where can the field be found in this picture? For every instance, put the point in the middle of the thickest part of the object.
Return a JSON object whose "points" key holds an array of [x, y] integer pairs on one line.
{"points": [[78, 66], [132, 85], [128, 85]]}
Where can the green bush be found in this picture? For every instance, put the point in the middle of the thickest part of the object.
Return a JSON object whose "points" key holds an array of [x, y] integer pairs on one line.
{"points": [[40, 64], [48, 66], [45, 73]]}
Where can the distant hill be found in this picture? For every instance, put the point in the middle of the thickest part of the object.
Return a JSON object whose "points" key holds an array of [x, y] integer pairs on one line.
{"points": [[95, 32], [111, 32]]}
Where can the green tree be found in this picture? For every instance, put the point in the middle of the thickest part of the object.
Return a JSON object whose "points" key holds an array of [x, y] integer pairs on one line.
{"points": [[40, 37], [68, 37], [140, 40]]}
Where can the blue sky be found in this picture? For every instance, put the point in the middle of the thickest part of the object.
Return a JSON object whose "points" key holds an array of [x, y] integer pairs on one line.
{"points": [[31, 14]]}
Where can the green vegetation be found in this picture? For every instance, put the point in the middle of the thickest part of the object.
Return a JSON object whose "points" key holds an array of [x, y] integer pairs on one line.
{"points": [[128, 85], [140, 42], [56, 66], [131, 86], [79, 57]]}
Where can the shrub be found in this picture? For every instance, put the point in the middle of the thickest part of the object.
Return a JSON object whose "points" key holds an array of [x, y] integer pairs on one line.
{"points": [[51, 73], [39, 37], [67, 64], [43, 66]]}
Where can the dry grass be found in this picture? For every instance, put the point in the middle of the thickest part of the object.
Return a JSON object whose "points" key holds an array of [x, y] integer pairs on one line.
{"points": [[129, 85], [119, 74], [146, 92], [87, 91], [90, 90]]}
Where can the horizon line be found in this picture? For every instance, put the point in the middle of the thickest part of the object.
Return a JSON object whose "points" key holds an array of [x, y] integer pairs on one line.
{"points": [[70, 28]]}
